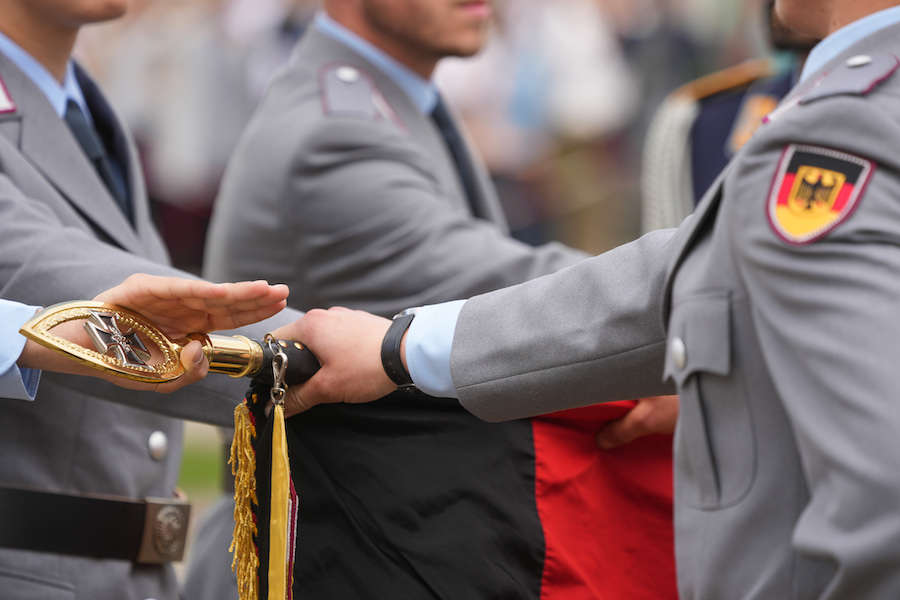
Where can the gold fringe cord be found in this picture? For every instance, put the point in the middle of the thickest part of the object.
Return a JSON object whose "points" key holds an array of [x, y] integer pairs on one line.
{"points": [[245, 562]]}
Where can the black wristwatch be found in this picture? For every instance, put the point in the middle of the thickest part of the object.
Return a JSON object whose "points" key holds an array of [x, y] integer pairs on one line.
{"points": [[390, 349]]}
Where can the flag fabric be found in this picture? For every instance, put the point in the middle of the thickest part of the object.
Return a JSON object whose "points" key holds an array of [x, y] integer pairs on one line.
{"points": [[399, 502]]}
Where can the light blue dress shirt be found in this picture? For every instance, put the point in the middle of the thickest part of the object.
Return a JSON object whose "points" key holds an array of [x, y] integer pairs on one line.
{"points": [[428, 343], [430, 337], [846, 36], [20, 384], [57, 94], [422, 92]]}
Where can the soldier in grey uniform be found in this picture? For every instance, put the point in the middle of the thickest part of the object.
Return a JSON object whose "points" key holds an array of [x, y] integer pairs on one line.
{"points": [[776, 318], [346, 186], [74, 220]]}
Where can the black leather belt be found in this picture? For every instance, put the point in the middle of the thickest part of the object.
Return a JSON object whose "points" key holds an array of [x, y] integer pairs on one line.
{"points": [[150, 531]]}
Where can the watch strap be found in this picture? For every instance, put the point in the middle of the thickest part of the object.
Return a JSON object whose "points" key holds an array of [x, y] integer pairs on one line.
{"points": [[390, 350]]}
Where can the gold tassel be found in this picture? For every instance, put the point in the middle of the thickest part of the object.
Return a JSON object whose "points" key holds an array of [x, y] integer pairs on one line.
{"points": [[280, 517], [243, 466]]}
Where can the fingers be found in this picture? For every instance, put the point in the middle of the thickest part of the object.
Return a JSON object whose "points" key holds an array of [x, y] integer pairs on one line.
{"points": [[239, 319], [146, 290], [176, 288], [296, 402], [196, 367], [348, 346], [241, 295], [621, 431], [152, 290], [649, 416], [181, 305]]}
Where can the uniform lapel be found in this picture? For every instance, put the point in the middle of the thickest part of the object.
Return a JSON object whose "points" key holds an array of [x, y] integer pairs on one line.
{"points": [[687, 234], [127, 156], [46, 142]]}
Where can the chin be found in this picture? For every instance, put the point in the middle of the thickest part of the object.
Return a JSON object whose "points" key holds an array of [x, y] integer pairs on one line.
{"points": [[797, 16], [97, 11], [466, 46]]}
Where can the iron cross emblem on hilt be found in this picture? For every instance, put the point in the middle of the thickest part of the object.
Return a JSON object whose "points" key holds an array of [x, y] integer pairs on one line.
{"points": [[109, 339]]}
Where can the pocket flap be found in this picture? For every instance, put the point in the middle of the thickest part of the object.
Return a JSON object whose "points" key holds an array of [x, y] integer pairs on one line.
{"points": [[699, 336]]}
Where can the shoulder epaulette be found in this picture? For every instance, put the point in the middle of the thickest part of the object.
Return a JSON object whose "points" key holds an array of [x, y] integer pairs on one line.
{"points": [[348, 90], [7, 105], [859, 75], [738, 76]]}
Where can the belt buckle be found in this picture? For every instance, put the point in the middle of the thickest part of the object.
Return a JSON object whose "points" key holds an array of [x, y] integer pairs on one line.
{"points": [[165, 530]]}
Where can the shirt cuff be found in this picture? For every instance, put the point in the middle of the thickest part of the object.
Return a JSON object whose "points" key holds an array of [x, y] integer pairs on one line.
{"points": [[16, 383], [428, 344], [19, 384]]}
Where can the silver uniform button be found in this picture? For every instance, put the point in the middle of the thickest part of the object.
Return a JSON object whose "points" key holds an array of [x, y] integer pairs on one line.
{"points": [[347, 74], [860, 60], [678, 352], [158, 444]]}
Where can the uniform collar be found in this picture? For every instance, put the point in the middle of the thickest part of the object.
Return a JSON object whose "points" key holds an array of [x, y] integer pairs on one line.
{"points": [[56, 94], [421, 92], [846, 36]]}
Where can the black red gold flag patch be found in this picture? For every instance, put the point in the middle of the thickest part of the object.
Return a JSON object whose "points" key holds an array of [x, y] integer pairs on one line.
{"points": [[814, 190]]}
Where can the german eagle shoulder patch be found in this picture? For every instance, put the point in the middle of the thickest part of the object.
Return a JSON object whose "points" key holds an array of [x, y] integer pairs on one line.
{"points": [[815, 189]]}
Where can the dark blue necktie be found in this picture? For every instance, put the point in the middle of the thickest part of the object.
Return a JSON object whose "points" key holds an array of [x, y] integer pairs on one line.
{"points": [[110, 173], [457, 147]]}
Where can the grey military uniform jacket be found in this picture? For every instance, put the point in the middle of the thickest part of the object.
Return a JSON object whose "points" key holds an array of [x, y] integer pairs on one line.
{"points": [[62, 237], [783, 344], [344, 190]]}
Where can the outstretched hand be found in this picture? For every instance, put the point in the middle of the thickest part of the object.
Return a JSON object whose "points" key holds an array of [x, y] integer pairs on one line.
{"points": [[348, 346], [177, 306], [180, 306]]}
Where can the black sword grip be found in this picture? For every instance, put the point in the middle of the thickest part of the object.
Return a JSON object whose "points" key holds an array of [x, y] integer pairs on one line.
{"points": [[301, 363]]}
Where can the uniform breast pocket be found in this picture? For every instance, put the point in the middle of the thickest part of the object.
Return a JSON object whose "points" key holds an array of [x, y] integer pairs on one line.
{"points": [[715, 453]]}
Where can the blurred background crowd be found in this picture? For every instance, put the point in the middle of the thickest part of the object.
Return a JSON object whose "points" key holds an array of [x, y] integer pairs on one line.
{"points": [[558, 105]]}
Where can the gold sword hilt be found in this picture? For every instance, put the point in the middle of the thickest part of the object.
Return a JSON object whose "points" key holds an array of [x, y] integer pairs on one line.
{"points": [[126, 344]]}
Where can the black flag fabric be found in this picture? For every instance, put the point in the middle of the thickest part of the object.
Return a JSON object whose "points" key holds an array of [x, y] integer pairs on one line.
{"points": [[399, 502]]}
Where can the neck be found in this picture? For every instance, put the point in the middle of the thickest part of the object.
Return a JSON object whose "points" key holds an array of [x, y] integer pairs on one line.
{"points": [[50, 44], [417, 61]]}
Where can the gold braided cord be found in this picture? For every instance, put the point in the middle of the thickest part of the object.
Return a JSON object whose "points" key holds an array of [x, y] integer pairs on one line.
{"points": [[279, 521], [245, 561]]}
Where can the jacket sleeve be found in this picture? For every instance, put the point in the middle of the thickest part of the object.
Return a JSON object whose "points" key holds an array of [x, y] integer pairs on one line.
{"points": [[43, 261], [587, 334]]}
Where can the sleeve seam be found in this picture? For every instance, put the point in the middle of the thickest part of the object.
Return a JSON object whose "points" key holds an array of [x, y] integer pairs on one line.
{"points": [[559, 366]]}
